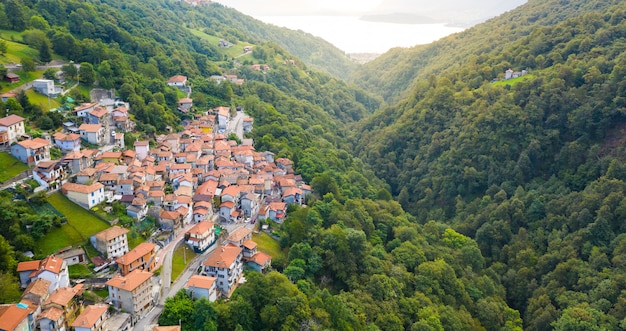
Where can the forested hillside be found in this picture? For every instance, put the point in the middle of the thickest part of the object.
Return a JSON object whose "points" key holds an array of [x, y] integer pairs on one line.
{"points": [[356, 260], [532, 168], [392, 74]]}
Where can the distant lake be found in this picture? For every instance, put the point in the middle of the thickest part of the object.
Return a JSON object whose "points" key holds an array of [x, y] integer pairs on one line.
{"points": [[353, 35]]}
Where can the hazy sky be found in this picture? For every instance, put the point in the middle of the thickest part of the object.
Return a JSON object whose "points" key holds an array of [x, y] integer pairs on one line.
{"points": [[338, 21], [301, 7], [358, 7]]}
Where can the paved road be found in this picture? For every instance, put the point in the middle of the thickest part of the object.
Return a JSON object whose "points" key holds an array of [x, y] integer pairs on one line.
{"points": [[53, 64], [168, 288], [236, 125]]}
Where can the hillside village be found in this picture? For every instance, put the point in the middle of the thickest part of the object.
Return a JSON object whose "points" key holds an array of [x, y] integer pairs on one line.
{"points": [[195, 184]]}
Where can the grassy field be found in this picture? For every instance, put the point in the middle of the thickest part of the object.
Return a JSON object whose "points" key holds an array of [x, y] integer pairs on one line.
{"points": [[79, 271], [10, 166], [16, 52], [178, 260], [235, 50], [80, 225], [269, 245], [25, 77], [134, 242], [514, 81], [11, 35], [96, 295], [42, 100]]}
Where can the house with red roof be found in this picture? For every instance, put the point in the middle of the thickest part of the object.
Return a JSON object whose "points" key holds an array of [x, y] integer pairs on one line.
{"points": [[61, 308], [52, 269], [93, 133], [201, 236], [67, 141], [132, 293], [14, 317], [13, 126], [260, 262], [177, 81], [31, 151], [226, 265], [50, 173], [226, 210], [87, 196], [170, 220], [141, 257], [199, 286], [92, 318], [277, 211]]}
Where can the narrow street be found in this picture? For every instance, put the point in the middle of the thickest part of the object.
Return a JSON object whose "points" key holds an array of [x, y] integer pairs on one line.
{"points": [[235, 125]]}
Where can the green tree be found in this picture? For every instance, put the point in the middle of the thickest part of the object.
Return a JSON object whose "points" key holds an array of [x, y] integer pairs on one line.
{"points": [[579, 318], [50, 73], [7, 256], [69, 71], [15, 15], [204, 316], [45, 53], [86, 74], [28, 65], [10, 287], [178, 309], [38, 22], [3, 47]]}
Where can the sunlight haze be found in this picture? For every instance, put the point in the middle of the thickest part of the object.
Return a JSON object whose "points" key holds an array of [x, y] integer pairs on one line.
{"points": [[374, 26]]}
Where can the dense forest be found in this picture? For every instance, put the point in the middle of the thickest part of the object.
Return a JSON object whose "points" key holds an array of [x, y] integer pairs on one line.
{"points": [[443, 200], [532, 168]]}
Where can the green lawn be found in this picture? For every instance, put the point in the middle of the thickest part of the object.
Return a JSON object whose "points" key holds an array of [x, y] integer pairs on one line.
{"points": [[235, 50], [16, 52], [79, 271], [134, 242], [80, 225], [514, 81], [178, 260], [25, 77], [11, 35], [269, 245], [42, 100], [10, 166], [96, 295]]}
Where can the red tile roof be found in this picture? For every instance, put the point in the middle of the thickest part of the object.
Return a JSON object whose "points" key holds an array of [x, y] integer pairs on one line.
{"points": [[136, 253], [261, 258], [201, 227], [85, 189], [200, 282], [10, 120], [239, 234], [90, 127], [88, 318], [11, 316], [112, 232], [249, 244], [130, 281], [223, 257], [177, 79]]}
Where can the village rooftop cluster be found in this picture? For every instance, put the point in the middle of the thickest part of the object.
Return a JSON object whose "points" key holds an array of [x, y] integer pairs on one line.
{"points": [[210, 180]]}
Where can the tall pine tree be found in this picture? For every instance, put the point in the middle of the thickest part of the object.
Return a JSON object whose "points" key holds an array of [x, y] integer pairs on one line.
{"points": [[45, 54]]}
